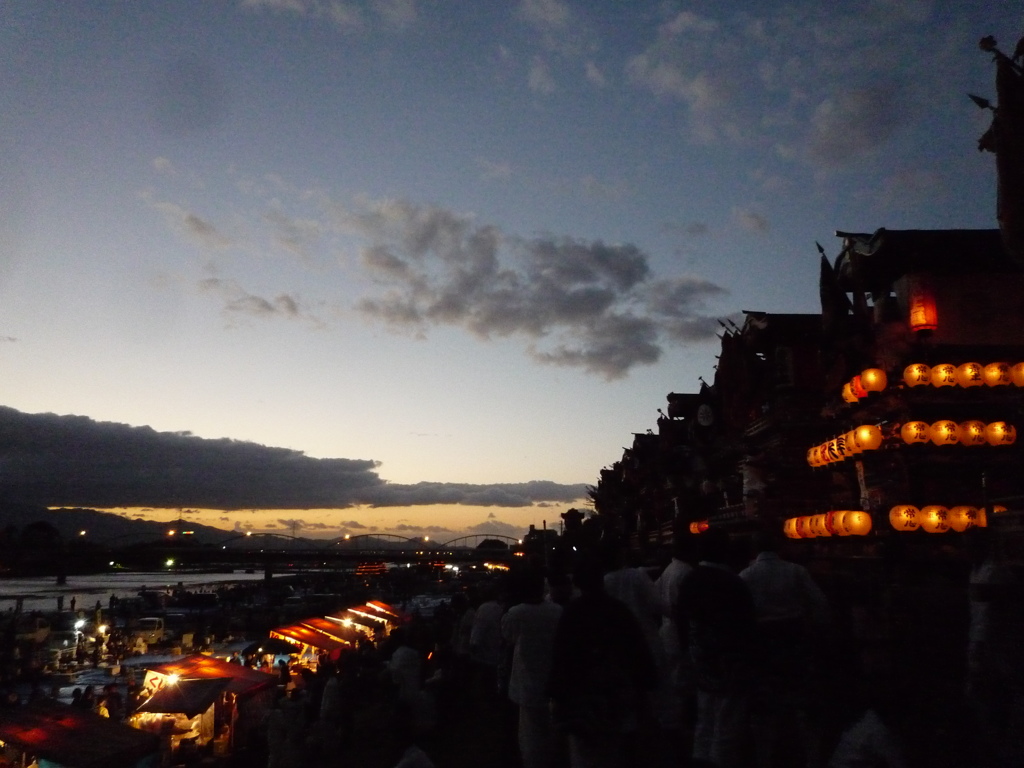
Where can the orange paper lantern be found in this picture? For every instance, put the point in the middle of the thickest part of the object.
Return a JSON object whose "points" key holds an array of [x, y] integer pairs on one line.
{"points": [[857, 523], [1000, 433], [924, 314], [873, 379], [915, 432], [944, 375], [857, 387], [868, 437], [803, 527], [918, 374], [944, 432], [971, 433], [903, 517], [789, 528], [962, 518], [934, 518], [839, 522], [970, 375], [997, 374], [848, 395], [1017, 374]]}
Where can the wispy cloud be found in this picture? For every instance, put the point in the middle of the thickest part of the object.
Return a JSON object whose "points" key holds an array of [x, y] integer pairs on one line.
{"points": [[571, 302], [578, 303], [346, 16], [238, 301], [800, 77]]}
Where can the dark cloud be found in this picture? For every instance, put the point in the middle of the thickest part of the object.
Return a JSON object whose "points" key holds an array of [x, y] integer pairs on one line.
{"points": [[410, 528], [575, 302], [77, 462], [498, 527], [355, 524], [502, 495]]}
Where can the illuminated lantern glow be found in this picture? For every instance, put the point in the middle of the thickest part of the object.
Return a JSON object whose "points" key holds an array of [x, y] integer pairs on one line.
{"points": [[903, 517], [857, 387], [839, 523], [818, 524], [970, 375], [789, 528], [971, 433], [962, 518], [812, 457], [944, 432], [851, 443], [924, 315], [1000, 433], [830, 523], [868, 437], [698, 526], [982, 521], [848, 395], [803, 527], [825, 458], [918, 374], [944, 375], [845, 444], [934, 518], [1017, 374], [915, 432], [874, 379], [857, 523], [833, 451], [997, 375]]}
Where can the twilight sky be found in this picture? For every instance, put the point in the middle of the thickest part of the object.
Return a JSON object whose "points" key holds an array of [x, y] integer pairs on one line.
{"points": [[463, 245]]}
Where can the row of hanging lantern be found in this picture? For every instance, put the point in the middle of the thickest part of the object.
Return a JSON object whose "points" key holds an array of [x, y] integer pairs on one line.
{"points": [[947, 432], [698, 526], [935, 518], [867, 437], [863, 384], [852, 522], [966, 375]]}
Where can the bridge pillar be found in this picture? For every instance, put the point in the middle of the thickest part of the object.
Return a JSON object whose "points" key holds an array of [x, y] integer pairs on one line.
{"points": [[268, 571]]}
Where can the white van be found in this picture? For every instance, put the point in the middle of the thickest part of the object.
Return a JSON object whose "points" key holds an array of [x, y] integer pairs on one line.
{"points": [[151, 629]]}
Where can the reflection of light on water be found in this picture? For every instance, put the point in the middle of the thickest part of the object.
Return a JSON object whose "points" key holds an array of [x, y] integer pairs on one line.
{"points": [[41, 592]]}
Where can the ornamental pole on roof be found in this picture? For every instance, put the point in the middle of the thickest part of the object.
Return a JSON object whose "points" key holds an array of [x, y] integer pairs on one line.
{"points": [[1005, 138]]}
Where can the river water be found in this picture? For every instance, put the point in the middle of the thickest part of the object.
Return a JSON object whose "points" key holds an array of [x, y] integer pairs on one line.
{"points": [[41, 592]]}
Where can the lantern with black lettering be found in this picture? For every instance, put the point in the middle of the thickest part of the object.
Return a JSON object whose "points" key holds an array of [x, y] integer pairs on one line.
{"points": [[918, 375], [1000, 433], [944, 375], [971, 433], [903, 517], [997, 375], [970, 375], [944, 432], [961, 518], [916, 432], [934, 518]]}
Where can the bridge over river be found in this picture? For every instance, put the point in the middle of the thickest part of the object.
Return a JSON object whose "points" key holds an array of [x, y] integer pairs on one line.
{"points": [[271, 550]]}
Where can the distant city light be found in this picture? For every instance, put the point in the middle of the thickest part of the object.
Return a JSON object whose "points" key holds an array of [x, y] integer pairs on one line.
{"points": [[171, 532], [170, 562], [79, 624], [81, 533]]}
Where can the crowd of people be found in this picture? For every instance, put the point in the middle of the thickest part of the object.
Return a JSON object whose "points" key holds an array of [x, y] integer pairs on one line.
{"points": [[705, 661], [712, 658]]}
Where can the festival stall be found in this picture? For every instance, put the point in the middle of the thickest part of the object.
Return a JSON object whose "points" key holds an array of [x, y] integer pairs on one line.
{"points": [[57, 734], [180, 711], [248, 696], [310, 641]]}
